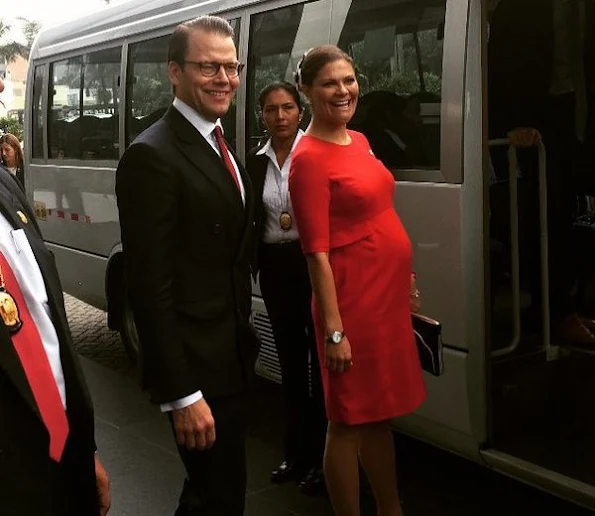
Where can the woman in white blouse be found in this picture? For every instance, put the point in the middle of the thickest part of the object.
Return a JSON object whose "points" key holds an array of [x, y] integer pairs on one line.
{"points": [[285, 288]]}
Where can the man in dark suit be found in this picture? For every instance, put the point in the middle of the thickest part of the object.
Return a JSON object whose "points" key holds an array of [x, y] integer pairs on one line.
{"points": [[48, 465], [537, 91], [186, 213]]}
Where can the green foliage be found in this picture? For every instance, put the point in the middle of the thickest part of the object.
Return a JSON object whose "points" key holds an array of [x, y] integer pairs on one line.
{"points": [[13, 126]]}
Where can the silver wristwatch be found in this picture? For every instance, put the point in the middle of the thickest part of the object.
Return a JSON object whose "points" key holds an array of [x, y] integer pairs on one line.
{"points": [[335, 337]]}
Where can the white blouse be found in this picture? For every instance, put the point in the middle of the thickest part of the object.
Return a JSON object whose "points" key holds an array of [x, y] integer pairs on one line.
{"points": [[275, 196]]}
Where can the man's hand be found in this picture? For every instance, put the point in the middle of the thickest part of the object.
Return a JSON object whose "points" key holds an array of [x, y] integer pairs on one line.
{"points": [[194, 426], [524, 137], [103, 492], [337, 357]]}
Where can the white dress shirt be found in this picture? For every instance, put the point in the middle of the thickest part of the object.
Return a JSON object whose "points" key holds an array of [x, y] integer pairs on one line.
{"points": [[206, 128], [18, 253], [275, 195]]}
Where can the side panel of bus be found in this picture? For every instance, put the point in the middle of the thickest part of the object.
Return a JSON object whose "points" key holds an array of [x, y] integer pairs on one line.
{"points": [[418, 66]]}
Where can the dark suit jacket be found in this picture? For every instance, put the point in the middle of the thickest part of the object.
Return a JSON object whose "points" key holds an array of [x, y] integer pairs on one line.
{"points": [[27, 474], [257, 170], [187, 241]]}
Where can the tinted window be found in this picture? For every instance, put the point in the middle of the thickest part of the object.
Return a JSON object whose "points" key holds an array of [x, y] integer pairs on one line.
{"points": [[99, 128], [397, 48], [149, 89], [278, 39], [64, 135], [84, 109], [38, 115]]}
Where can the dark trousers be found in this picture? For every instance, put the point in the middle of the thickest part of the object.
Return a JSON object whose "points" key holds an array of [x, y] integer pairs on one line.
{"points": [[73, 482], [216, 478], [285, 287]]}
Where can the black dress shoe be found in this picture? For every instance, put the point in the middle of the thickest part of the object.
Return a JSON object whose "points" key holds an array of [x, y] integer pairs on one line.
{"points": [[313, 483], [285, 471]]}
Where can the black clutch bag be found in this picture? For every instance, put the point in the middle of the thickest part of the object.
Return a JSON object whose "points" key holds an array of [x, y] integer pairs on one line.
{"points": [[429, 344]]}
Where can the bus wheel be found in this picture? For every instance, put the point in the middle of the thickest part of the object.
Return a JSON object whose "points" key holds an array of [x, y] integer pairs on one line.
{"points": [[128, 329]]}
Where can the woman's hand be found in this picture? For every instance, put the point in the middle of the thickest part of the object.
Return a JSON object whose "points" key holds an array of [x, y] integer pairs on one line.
{"points": [[337, 357], [414, 296]]}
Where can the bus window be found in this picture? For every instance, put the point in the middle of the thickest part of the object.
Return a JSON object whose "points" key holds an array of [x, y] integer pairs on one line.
{"points": [[84, 123], [99, 127], [277, 38], [63, 135], [397, 48], [38, 118], [149, 90]]}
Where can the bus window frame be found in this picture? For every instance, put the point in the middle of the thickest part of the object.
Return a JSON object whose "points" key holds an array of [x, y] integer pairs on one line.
{"points": [[234, 14], [246, 26], [48, 61], [454, 58]]}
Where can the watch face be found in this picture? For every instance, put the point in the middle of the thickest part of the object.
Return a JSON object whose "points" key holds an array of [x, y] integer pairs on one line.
{"points": [[337, 337]]}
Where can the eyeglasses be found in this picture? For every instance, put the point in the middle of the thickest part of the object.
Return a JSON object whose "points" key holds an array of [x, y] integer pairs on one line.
{"points": [[211, 68]]}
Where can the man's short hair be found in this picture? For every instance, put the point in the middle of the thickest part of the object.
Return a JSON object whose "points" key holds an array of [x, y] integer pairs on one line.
{"points": [[178, 44]]}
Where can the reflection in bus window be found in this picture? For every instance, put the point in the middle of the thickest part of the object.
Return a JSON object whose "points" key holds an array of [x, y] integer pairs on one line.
{"points": [[149, 89], [38, 118], [275, 46], [84, 121], [63, 136], [99, 129], [397, 49]]}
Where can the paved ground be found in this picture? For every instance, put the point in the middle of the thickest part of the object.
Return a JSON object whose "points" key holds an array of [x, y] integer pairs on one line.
{"points": [[92, 337], [137, 448]]}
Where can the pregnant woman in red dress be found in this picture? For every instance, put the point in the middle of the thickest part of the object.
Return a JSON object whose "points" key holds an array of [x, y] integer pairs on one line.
{"points": [[359, 260]]}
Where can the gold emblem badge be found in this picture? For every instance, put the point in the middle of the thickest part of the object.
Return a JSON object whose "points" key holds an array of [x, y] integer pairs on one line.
{"points": [[23, 217], [285, 221], [9, 312]]}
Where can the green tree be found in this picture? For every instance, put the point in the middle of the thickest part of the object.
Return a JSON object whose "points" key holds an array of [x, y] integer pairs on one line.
{"points": [[11, 125]]}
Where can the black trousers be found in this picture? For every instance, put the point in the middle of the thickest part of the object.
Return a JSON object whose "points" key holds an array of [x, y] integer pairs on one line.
{"points": [[216, 478], [285, 287], [73, 481]]}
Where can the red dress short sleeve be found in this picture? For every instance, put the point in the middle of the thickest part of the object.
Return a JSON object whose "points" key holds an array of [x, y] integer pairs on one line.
{"points": [[342, 198], [309, 188]]}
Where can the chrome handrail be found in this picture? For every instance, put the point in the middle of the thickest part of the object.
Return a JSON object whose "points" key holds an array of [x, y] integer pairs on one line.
{"points": [[514, 247], [551, 351]]}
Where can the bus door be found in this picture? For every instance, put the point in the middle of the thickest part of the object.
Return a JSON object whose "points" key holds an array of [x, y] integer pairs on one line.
{"points": [[415, 62], [541, 381]]}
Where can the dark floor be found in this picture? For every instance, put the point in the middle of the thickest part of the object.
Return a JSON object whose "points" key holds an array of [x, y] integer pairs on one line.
{"points": [[136, 447]]}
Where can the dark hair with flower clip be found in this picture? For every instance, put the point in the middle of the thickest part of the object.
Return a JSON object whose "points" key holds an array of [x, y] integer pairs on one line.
{"points": [[314, 60]]}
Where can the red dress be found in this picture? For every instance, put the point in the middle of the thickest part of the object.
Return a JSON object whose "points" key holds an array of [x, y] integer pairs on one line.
{"points": [[342, 197]]}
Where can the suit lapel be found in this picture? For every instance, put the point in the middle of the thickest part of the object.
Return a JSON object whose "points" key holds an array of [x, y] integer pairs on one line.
{"points": [[246, 240], [12, 201], [200, 153], [9, 360]]}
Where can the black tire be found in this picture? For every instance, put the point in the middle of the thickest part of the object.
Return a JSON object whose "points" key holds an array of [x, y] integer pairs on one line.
{"points": [[128, 329]]}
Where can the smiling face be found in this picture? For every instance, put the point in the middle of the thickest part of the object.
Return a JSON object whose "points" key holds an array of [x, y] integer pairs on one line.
{"points": [[209, 96], [281, 115], [333, 93]]}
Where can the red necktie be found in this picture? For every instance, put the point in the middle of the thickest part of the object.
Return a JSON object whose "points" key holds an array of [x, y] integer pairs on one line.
{"points": [[225, 154], [36, 365]]}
